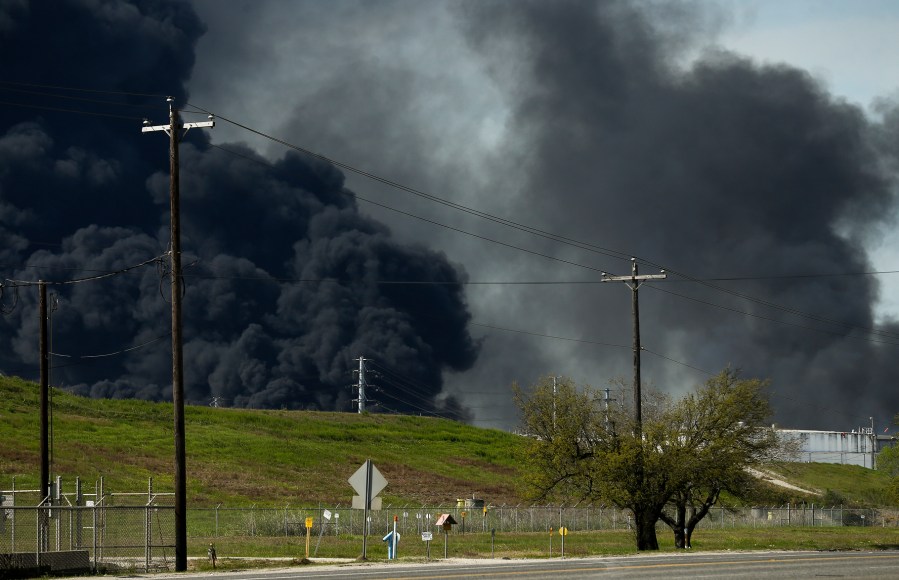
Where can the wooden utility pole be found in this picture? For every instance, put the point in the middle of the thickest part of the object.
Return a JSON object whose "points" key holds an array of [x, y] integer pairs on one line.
{"points": [[176, 130], [633, 282]]}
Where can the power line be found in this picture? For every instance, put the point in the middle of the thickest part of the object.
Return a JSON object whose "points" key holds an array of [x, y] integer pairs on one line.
{"points": [[528, 229], [25, 283], [396, 185], [529, 333], [73, 98], [428, 220], [776, 321], [775, 306], [64, 110], [108, 354], [82, 89], [466, 209]]}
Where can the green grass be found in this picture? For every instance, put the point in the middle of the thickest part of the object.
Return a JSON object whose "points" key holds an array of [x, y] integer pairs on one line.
{"points": [[838, 484], [537, 545], [272, 458], [245, 457]]}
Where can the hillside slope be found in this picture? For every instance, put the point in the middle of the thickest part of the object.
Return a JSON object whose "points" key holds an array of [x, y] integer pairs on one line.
{"points": [[273, 458], [242, 457]]}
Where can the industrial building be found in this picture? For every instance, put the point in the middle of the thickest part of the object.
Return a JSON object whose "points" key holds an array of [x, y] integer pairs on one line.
{"points": [[856, 447]]}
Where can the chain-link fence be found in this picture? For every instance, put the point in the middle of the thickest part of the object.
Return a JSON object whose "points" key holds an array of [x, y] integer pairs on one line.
{"points": [[104, 537], [82, 538], [287, 521]]}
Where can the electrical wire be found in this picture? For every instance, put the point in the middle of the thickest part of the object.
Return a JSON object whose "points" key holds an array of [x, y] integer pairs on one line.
{"points": [[81, 89], [72, 98], [528, 229], [64, 110], [396, 185], [108, 354], [529, 333], [109, 274], [774, 306], [776, 321], [397, 378]]}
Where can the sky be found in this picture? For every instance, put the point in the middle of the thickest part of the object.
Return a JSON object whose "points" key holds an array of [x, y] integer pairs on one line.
{"points": [[747, 148]]}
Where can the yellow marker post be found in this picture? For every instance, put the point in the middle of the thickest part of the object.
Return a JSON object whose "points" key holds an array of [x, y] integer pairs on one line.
{"points": [[308, 535], [550, 541], [563, 531]]}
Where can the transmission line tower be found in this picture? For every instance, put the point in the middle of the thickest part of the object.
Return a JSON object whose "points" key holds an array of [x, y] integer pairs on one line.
{"points": [[361, 384], [176, 131]]}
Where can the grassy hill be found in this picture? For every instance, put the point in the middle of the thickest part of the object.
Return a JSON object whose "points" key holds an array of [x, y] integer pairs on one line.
{"points": [[242, 457], [835, 484]]}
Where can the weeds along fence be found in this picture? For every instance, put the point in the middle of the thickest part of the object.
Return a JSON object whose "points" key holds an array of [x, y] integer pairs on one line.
{"points": [[287, 521], [105, 537]]}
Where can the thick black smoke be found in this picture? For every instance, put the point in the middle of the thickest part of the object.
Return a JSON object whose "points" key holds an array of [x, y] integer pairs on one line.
{"points": [[725, 168], [284, 288]]}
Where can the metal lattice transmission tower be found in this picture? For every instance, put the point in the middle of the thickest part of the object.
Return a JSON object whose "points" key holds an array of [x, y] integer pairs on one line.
{"points": [[361, 384]]}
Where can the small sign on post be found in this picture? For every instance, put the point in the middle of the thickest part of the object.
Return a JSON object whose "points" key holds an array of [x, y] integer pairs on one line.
{"points": [[308, 535], [446, 521], [563, 531], [427, 537]]}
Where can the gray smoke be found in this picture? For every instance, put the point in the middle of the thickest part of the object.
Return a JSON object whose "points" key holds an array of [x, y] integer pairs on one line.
{"points": [[284, 275], [723, 168], [598, 121], [594, 120]]}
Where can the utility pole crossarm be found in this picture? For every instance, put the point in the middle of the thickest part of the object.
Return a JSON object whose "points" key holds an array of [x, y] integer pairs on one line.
{"points": [[633, 278], [147, 128]]}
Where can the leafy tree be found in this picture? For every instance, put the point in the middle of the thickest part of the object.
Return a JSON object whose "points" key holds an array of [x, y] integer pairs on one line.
{"points": [[888, 461], [581, 450], [714, 436], [686, 454]]}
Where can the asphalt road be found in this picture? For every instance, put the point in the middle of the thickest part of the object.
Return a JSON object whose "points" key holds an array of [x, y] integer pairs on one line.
{"points": [[881, 565]]}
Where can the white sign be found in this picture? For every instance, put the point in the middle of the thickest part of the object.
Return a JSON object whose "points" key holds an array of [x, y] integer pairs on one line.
{"points": [[427, 536], [359, 503], [327, 515], [357, 480]]}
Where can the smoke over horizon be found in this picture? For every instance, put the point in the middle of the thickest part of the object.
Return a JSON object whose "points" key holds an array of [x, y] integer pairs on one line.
{"points": [[618, 124], [282, 271], [722, 168]]}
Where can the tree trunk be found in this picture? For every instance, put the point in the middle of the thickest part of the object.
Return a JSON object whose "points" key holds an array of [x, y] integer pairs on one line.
{"points": [[680, 519], [697, 516], [645, 529], [677, 523]]}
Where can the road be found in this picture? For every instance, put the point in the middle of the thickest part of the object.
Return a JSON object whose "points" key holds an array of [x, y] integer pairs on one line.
{"points": [[756, 565]]}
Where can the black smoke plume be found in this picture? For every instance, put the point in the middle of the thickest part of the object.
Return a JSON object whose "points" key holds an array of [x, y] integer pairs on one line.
{"points": [[720, 168], [283, 274]]}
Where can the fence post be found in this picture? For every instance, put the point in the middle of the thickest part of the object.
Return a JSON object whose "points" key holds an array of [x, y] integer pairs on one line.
{"points": [[13, 518], [94, 529], [37, 545], [147, 536]]}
